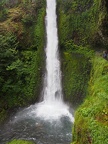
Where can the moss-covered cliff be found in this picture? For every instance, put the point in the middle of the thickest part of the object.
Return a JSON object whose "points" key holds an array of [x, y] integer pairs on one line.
{"points": [[83, 32], [76, 54], [75, 68], [85, 22], [21, 53], [91, 125]]}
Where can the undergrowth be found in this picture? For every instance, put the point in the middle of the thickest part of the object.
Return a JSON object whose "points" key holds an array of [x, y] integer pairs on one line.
{"points": [[21, 54], [91, 125], [81, 21], [20, 142]]}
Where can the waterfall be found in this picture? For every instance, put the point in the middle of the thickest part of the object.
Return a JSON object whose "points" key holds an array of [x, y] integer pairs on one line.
{"points": [[52, 106], [52, 88]]}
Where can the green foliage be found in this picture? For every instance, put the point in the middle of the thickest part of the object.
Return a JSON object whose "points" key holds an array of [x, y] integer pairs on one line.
{"points": [[21, 62], [39, 30], [31, 11], [8, 53], [28, 19], [80, 21], [92, 117], [76, 69], [3, 14], [71, 47], [20, 142]]}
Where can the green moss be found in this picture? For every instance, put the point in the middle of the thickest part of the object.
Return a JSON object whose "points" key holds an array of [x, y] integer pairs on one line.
{"points": [[20, 142], [81, 21], [76, 69], [92, 116]]}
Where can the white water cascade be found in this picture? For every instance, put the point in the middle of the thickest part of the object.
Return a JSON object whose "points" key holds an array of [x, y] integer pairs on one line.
{"points": [[52, 106]]}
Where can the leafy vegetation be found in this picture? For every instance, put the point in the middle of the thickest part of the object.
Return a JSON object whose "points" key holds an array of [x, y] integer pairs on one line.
{"points": [[81, 21], [21, 54], [91, 125], [20, 142]]}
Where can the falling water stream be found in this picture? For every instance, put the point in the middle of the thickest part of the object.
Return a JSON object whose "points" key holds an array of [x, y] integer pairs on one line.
{"points": [[49, 121]]}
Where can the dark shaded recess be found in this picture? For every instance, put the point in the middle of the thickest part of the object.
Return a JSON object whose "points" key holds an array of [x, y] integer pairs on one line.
{"points": [[105, 27], [82, 8], [76, 37], [106, 5], [11, 3], [97, 42]]}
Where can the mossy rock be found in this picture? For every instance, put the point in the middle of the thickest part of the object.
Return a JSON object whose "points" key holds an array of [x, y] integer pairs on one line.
{"points": [[20, 142], [76, 70], [91, 118]]}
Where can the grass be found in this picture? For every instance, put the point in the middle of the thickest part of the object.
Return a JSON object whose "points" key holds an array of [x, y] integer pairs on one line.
{"points": [[20, 142], [92, 116]]}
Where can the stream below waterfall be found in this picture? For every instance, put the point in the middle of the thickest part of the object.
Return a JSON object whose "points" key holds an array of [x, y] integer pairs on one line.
{"points": [[26, 126]]}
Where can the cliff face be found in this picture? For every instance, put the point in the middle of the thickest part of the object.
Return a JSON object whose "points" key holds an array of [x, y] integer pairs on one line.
{"points": [[21, 53], [83, 31]]}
